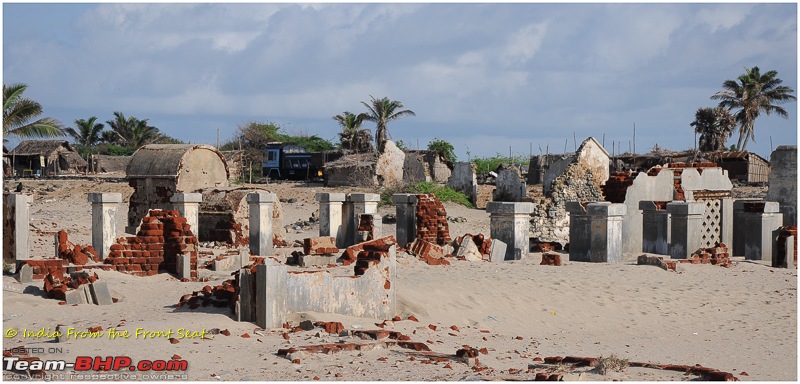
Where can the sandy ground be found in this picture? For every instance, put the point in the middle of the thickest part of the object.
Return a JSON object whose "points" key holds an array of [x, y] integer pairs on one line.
{"points": [[741, 319]]}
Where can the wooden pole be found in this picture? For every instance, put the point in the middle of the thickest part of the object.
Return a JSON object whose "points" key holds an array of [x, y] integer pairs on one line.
{"points": [[574, 141]]}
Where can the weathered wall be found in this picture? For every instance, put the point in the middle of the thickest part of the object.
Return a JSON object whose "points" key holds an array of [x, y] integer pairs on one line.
{"points": [[464, 180], [356, 173], [783, 182], [389, 167], [580, 179], [509, 186], [415, 169], [225, 216]]}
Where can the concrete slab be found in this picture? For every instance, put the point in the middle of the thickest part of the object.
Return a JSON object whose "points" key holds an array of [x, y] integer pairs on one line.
{"points": [[25, 274], [75, 296], [100, 293]]}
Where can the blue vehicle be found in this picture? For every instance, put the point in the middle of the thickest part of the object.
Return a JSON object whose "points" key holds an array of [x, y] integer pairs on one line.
{"points": [[289, 161]]}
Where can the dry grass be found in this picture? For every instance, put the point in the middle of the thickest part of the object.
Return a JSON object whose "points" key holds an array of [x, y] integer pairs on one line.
{"points": [[611, 364]]}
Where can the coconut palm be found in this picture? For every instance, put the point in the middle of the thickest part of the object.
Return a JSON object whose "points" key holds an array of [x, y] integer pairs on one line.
{"points": [[754, 92], [381, 111], [714, 125], [133, 132], [18, 113], [89, 132], [353, 137]]}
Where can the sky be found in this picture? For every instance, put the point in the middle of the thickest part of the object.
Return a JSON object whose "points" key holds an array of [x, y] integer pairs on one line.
{"points": [[488, 78]]}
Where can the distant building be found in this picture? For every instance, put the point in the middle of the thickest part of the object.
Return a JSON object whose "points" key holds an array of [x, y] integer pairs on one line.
{"points": [[743, 166], [46, 158], [107, 163]]}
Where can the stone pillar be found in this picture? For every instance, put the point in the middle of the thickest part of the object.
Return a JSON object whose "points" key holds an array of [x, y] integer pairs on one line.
{"points": [[16, 219], [726, 221], [510, 223], [104, 221], [686, 223], [406, 213], [655, 227], [245, 306], [188, 204], [271, 290], [761, 220], [783, 181], [606, 231], [330, 216], [261, 222], [580, 239], [362, 203]]}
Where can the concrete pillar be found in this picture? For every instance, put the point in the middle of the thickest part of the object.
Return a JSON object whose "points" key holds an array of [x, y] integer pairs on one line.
{"points": [[246, 305], [580, 239], [762, 220], [330, 216], [726, 221], [406, 213], [16, 219], [104, 221], [260, 205], [362, 203], [686, 220], [271, 290], [183, 266], [606, 231], [188, 204], [510, 223], [655, 227], [739, 228]]}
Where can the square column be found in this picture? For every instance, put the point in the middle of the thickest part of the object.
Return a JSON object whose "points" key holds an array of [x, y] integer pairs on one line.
{"points": [[686, 223], [762, 220], [405, 211], [271, 291], [260, 205], [188, 204], [739, 228], [330, 216], [580, 225], [104, 221], [16, 219], [510, 223], [655, 227], [362, 203], [606, 231]]}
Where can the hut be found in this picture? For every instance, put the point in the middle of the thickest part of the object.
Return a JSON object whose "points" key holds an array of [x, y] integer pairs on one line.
{"points": [[46, 158], [107, 163], [158, 171], [743, 166]]}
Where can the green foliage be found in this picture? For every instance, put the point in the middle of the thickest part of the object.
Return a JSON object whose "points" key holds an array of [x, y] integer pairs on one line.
{"points": [[444, 147], [733, 148], [114, 150], [18, 113], [400, 144], [312, 143], [443, 193], [486, 164]]}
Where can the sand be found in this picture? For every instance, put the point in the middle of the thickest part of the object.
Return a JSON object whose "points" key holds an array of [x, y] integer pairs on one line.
{"points": [[741, 320]]}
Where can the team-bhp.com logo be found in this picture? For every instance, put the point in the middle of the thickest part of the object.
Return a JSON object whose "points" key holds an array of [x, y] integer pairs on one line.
{"points": [[97, 363]]}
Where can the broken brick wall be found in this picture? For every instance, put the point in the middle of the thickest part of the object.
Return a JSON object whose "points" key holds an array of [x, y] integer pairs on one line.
{"points": [[783, 234], [162, 237], [432, 220], [224, 216]]}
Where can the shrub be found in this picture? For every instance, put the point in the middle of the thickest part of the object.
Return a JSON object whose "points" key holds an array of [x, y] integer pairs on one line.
{"points": [[443, 193], [611, 364]]}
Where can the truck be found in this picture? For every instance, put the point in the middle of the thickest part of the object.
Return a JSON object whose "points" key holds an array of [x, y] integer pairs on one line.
{"points": [[289, 161]]}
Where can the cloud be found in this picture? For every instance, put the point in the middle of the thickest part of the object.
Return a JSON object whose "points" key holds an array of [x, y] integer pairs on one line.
{"points": [[723, 16], [523, 44]]}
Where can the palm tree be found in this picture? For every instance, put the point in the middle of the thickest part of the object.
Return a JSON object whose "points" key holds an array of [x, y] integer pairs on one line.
{"points": [[89, 132], [714, 125], [132, 132], [754, 92], [19, 111], [382, 111], [353, 137]]}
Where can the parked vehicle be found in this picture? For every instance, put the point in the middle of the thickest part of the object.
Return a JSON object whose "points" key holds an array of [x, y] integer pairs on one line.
{"points": [[289, 161]]}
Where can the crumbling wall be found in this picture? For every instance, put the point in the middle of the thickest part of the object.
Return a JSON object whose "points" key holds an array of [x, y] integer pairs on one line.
{"points": [[432, 220], [580, 179], [356, 170], [389, 167], [163, 237], [464, 180], [510, 186], [783, 182], [414, 169], [225, 216]]}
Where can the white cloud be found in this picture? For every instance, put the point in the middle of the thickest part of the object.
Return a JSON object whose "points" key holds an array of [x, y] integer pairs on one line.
{"points": [[524, 44], [723, 16]]}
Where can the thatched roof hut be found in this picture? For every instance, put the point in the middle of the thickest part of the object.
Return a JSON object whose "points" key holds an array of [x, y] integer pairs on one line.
{"points": [[46, 157]]}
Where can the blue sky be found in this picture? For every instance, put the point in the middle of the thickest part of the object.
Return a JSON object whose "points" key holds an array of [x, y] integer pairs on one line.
{"points": [[482, 76]]}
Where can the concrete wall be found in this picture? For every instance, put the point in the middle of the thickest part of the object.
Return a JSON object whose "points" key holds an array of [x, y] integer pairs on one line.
{"points": [[783, 182], [510, 186], [414, 169], [645, 187], [464, 180]]}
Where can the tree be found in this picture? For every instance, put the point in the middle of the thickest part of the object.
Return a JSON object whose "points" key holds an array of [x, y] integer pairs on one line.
{"points": [[714, 125], [754, 92], [353, 137], [18, 113], [133, 132], [88, 133], [381, 111], [444, 148]]}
